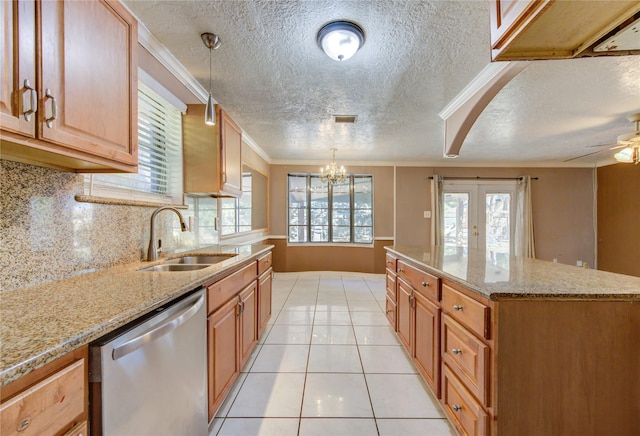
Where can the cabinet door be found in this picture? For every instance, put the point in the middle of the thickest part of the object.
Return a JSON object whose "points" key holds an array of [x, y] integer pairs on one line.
{"points": [[222, 352], [230, 155], [248, 318], [507, 17], [264, 299], [18, 92], [426, 344], [88, 87], [405, 314]]}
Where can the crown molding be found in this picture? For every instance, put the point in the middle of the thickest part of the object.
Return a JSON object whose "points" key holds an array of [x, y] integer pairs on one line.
{"points": [[255, 147], [166, 58], [448, 163]]}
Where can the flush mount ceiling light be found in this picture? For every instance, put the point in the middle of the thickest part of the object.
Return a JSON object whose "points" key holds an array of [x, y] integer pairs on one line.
{"points": [[212, 42], [340, 39], [333, 173]]}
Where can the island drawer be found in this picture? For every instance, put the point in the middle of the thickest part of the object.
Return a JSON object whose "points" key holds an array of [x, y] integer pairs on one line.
{"points": [[391, 262], [264, 263], [421, 281], [467, 356], [464, 309], [464, 412]]}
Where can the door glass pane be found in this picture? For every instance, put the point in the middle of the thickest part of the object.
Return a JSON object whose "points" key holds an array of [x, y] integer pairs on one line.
{"points": [[456, 219], [498, 227]]}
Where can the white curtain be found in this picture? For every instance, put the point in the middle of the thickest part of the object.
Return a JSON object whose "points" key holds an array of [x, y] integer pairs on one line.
{"points": [[437, 211], [523, 244]]}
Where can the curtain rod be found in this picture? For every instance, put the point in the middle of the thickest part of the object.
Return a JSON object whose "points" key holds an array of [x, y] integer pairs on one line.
{"points": [[483, 178]]}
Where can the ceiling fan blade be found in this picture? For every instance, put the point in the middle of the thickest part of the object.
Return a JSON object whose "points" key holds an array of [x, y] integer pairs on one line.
{"points": [[602, 145], [585, 155]]}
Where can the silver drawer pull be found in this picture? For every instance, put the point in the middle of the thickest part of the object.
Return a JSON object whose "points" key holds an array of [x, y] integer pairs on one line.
{"points": [[33, 100], [456, 351], [457, 308], [54, 108], [22, 426], [425, 284], [456, 408], [388, 310], [400, 270]]}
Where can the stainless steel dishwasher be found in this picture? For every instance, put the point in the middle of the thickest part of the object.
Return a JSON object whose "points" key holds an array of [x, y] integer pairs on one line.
{"points": [[149, 377]]}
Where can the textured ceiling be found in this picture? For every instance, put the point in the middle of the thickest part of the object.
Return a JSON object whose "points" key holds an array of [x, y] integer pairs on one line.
{"points": [[274, 80]]}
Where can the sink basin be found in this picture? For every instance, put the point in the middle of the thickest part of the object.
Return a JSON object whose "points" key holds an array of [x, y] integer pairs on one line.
{"points": [[174, 267], [202, 260]]}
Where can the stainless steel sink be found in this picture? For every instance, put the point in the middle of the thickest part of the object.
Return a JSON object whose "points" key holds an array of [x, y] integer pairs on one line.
{"points": [[175, 267], [202, 260]]}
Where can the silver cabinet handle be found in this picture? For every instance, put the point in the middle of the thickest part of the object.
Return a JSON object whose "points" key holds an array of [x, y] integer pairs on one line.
{"points": [[456, 408], [24, 424], [425, 284], [457, 308], [54, 108], [33, 100], [456, 351], [169, 325]]}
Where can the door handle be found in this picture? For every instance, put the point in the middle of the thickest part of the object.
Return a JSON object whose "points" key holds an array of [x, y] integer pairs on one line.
{"points": [[167, 326]]}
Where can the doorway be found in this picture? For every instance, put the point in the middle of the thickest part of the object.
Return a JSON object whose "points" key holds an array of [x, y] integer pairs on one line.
{"points": [[480, 215]]}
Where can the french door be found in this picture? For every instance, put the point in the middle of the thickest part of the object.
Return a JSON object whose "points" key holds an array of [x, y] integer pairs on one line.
{"points": [[480, 215]]}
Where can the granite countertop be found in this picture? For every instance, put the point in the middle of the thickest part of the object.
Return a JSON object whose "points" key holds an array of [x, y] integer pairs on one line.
{"points": [[519, 277], [41, 323]]}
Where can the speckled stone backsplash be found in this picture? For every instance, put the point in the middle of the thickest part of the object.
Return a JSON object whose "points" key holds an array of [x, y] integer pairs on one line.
{"points": [[45, 234]]}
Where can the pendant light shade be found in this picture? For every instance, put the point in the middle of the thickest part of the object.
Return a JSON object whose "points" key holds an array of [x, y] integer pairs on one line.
{"points": [[212, 42]]}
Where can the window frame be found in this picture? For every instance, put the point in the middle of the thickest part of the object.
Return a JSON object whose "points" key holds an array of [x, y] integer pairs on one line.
{"points": [[330, 209]]}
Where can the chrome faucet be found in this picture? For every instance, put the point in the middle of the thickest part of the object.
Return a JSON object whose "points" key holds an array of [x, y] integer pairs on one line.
{"points": [[152, 253]]}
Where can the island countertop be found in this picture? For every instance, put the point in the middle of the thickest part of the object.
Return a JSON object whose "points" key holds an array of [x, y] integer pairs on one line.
{"points": [[519, 277], [41, 323]]}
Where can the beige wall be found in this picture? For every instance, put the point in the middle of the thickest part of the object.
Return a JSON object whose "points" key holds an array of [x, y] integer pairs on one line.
{"points": [[562, 208], [619, 219]]}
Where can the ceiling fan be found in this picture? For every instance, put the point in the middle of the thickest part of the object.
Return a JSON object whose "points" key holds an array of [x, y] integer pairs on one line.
{"points": [[628, 142]]}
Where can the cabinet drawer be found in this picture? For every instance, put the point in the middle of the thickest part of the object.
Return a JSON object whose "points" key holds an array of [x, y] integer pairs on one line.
{"points": [[391, 285], [391, 312], [466, 310], [390, 262], [421, 281], [221, 291], [464, 412], [81, 429], [264, 263], [467, 356], [48, 407]]}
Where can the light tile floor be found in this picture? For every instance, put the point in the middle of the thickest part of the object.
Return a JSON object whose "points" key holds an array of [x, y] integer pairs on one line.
{"points": [[329, 364]]}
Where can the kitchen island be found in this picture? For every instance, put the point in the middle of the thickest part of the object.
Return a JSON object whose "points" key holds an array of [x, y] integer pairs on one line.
{"points": [[519, 346]]}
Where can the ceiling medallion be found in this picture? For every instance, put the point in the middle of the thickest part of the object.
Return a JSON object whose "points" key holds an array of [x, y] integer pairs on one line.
{"points": [[340, 40], [333, 173]]}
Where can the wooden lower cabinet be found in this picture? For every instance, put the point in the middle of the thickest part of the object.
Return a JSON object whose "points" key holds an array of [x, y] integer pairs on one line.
{"points": [[405, 315], [463, 410], [222, 352], [426, 349], [247, 320], [51, 400], [265, 284]]}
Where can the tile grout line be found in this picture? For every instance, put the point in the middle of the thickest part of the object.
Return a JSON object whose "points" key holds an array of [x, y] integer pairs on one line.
{"points": [[306, 372]]}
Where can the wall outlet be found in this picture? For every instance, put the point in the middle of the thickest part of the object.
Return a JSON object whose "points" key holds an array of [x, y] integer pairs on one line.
{"points": [[427, 214], [555, 260], [579, 263]]}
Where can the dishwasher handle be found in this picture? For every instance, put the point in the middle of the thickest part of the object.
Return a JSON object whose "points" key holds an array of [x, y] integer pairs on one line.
{"points": [[167, 326]]}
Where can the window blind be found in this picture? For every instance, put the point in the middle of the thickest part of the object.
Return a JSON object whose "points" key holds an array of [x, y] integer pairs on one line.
{"points": [[159, 176]]}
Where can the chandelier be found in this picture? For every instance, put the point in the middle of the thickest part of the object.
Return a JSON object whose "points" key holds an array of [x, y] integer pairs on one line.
{"points": [[332, 173]]}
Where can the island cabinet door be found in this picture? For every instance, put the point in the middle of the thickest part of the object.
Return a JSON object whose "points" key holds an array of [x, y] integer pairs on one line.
{"points": [[405, 315], [426, 353], [223, 355], [264, 299], [248, 318]]}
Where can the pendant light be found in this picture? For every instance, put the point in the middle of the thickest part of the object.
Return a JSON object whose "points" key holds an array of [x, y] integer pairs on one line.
{"points": [[212, 42]]}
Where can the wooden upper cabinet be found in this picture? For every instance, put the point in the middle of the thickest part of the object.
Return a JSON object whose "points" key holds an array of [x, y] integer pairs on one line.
{"points": [[212, 154], [553, 29], [18, 94], [86, 118]]}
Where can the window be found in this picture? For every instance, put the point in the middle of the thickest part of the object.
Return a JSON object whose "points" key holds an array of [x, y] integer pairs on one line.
{"points": [[159, 177], [324, 212], [236, 212]]}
